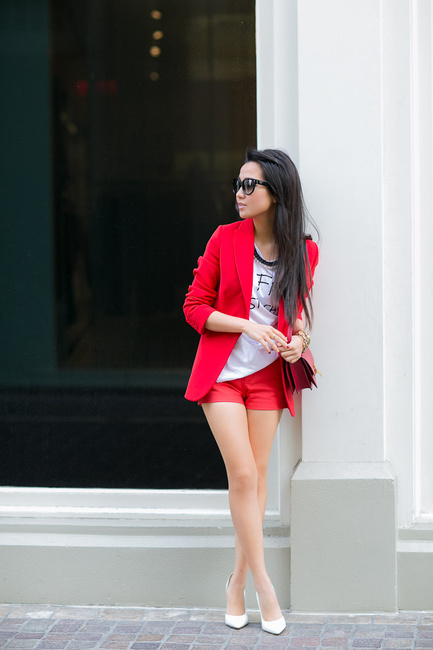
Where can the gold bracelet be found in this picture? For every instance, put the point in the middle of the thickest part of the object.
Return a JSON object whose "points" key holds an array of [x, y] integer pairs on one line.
{"points": [[305, 339]]}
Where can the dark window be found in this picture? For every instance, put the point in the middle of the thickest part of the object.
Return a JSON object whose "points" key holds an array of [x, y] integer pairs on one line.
{"points": [[152, 107]]}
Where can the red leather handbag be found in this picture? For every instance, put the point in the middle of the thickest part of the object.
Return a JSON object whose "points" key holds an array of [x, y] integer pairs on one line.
{"points": [[301, 374]]}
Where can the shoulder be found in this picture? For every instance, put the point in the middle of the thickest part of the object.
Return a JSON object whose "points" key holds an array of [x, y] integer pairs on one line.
{"points": [[227, 229], [227, 232], [230, 228]]}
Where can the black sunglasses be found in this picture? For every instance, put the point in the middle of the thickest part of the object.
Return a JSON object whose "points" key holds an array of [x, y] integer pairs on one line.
{"points": [[248, 185]]}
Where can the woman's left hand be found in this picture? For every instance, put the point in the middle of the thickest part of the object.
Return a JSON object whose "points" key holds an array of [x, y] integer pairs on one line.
{"points": [[293, 351]]}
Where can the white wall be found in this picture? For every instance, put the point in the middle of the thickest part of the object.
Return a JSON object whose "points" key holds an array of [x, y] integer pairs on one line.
{"points": [[340, 126], [356, 80]]}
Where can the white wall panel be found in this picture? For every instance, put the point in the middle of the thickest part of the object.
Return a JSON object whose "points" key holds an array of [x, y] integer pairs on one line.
{"points": [[423, 260], [340, 140]]}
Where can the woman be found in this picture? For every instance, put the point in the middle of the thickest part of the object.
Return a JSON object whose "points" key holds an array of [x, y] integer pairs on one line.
{"points": [[249, 292]]}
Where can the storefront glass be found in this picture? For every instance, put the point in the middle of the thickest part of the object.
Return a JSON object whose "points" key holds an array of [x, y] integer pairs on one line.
{"points": [[124, 125]]}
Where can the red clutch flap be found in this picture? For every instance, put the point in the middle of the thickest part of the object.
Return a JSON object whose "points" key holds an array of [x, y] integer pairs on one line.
{"points": [[301, 374]]}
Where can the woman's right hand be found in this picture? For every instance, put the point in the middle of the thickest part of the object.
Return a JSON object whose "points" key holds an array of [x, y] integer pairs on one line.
{"points": [[266, 335]]}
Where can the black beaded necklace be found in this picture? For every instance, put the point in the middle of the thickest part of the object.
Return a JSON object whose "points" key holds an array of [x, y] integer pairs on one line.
{"points": [[260, 259]]}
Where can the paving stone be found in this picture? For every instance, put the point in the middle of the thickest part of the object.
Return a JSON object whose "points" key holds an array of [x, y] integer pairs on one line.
{"points": [[121, 628], [5, 610], [403, 618], [345, 627], [336, 642], [49, 644], [401, 631], [305, 641], [369, 631], [159, 614], [76, 612], [157, 627], [116, 636], [45, 627], [307, 629], [121, 613], [22, 643], [188, 627], [350, 619], [304, 618], [33, 625], [217, 616], [176, 646], [277, 640], [87, 636], [219, 628], [210, 639], [335, 631], [67, 625], [367, 643], [33, 611]]}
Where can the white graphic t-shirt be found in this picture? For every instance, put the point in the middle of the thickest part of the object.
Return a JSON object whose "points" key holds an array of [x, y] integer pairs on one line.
{"points": [[249, 356]]}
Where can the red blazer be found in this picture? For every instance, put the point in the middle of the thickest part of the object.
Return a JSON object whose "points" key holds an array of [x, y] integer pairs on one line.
{"points": [[223, 281]]}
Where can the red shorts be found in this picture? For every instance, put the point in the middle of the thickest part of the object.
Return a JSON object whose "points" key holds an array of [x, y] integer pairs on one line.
{"points": [[261, 391]]}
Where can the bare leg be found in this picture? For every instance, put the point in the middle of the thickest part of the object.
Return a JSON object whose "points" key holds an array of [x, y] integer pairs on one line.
{"points": [[262, 426], [245, 441]]}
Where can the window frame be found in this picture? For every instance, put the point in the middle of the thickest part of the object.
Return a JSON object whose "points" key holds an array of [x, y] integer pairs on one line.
{"points": [[275, 101]]}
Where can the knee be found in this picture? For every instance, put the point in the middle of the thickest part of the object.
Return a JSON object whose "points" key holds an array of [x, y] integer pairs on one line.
{"points": [[244, 479]]}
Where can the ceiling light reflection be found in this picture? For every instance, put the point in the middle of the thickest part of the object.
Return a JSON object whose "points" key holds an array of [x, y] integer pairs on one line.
{"points": [[155, 51]]}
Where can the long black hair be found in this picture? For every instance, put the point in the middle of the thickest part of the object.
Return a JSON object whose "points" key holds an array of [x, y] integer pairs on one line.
{"points": [[292, 274]]}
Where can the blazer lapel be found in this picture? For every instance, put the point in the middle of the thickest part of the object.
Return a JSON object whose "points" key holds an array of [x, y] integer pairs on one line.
{"points": [[283, 325], [244, 258]]}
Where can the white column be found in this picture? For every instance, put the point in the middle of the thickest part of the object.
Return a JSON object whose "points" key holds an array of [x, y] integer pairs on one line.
{"points": [[343, 492]]}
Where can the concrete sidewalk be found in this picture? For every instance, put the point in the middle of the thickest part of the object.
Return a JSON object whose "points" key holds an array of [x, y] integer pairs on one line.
{"points": [[140, 628]]}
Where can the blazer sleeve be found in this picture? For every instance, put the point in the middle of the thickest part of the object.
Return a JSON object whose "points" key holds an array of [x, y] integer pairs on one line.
{"points": [[313, 260], [202, 292]]}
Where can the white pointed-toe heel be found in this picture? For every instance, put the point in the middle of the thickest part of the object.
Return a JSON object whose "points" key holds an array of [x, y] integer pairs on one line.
{"points": [[273, 627], [237, 622]]}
